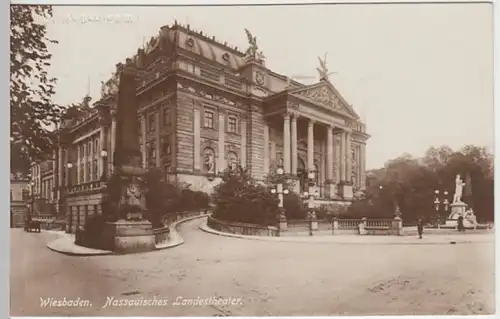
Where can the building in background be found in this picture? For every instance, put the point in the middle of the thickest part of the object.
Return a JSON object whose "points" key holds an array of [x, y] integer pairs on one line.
{"points": [[19, 200], [204, 105]]}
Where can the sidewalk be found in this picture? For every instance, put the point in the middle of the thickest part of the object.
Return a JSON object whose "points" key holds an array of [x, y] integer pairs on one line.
{"points": [[434, 239], [65, 244]]}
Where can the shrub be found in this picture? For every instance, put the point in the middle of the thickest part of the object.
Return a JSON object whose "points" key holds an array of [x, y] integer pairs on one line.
{"points": [[239, 199], [294, 206]]}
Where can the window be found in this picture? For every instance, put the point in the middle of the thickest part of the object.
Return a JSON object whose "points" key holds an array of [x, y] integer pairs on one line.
{"points": [[151, 123], [82, 151], [82, 173], [208, 120], [166, 148], [89, 148], [152, 155], [232, 124], [166, 116], [89, 172], [96, 171], [25, 195]]}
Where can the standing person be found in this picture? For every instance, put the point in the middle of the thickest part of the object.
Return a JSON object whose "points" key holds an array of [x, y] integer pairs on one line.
{"points": [[460, 222], [420, 227]]}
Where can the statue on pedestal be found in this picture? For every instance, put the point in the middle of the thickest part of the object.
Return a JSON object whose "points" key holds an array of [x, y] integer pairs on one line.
{"points": [[459, 185]]}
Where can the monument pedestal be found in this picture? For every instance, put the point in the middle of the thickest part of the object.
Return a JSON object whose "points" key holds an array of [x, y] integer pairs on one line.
{"points": [[457, 210], [129, 236]]}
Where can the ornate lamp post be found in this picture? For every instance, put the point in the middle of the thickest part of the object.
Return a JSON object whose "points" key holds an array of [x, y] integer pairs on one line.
{"points": [[104, 155], [437, 203], [310, 195], [280, 191]]}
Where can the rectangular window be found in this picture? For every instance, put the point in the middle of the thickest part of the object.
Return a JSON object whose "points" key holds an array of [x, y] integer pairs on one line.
{"points": [[232, 124], [96, 170], [208, 119], [151, 122], [82, 173], [25, 195], [166, 117], [89, 170]]}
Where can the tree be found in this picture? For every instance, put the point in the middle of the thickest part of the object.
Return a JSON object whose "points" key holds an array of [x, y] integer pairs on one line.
{"points": [[31, 88], [410, 183]]}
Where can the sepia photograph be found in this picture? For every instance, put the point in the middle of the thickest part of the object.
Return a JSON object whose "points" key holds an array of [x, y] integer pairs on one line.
{"points": [[231, 160]]}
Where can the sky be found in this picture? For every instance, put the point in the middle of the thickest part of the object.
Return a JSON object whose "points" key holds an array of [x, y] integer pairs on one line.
{"points": [[419, 75]]}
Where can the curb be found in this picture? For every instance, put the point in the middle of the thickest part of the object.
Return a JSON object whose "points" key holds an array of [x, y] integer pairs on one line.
{"points": [[173, 231], [205, 228], [97, 252]]}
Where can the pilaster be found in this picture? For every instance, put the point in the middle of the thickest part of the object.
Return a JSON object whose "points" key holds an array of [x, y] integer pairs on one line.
{"points": [[221, 166], [243, 150], [286, 143], [78, 164], [348, 158], [158, 138], [197, 137], [266, 149], [143, 142], [362, 160], [294, 143]]}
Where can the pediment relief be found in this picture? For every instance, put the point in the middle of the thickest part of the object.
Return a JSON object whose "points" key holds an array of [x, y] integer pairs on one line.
{"points": [[326, 96]]}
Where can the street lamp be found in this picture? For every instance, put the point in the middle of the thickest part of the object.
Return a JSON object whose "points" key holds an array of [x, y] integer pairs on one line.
{"points": [[104, 155], [32, 200], [280, 191], [309, 195], [437, 203], [69, 165]]}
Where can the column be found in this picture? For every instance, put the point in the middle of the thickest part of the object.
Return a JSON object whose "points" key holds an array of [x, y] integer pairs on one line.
{"points": [[266, 148], [158, 139], [66, 161], [197, 137], [342, 156], [60, 163], [112, 141], [102, 147], [90, 161], [348, 157], [143, 144], [221, 166], [310, 145], [272, 138], [243, 160], [54, 172], [78, 181], [85, 158], [362, 159], [286, 143], [294, 144], [329, 153]]}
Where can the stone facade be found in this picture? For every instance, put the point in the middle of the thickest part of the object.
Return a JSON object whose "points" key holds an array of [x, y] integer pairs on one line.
{"points": [[204, 105]]}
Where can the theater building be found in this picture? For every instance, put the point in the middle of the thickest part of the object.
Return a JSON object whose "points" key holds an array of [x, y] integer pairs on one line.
{"points": [[204, 105]]}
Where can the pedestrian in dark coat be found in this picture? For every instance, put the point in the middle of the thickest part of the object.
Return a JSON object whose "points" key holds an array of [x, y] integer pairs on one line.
{"points": [[420, 227], [460, 222]]}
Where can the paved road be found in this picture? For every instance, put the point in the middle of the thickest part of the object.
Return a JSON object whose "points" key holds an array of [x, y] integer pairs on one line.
{"points": [[262, 278]]}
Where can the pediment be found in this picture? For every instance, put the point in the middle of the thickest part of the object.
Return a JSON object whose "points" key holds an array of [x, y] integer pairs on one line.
{"points": [[325, 94]]}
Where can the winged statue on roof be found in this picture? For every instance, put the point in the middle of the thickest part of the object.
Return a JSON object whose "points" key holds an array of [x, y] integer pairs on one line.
{"points": [[323, 68]]}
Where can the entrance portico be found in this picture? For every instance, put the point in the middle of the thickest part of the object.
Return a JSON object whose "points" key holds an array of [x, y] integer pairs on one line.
{"points": [[334, 138]]}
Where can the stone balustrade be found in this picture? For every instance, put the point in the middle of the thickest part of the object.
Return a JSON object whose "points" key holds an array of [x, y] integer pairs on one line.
{"points": [[241, 228]]}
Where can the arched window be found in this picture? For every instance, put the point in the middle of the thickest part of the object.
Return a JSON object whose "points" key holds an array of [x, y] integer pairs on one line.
{"points": [[209, 161], [231, 160]]}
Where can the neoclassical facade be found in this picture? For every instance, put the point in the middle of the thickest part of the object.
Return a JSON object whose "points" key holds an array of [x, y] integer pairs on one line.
{"points": [[204, 105]]}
